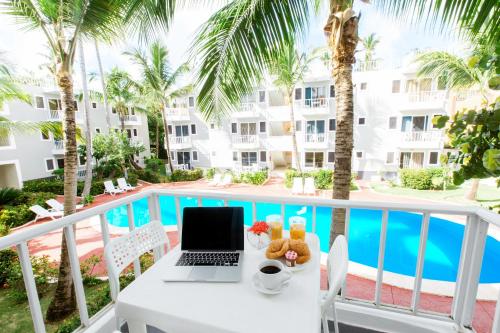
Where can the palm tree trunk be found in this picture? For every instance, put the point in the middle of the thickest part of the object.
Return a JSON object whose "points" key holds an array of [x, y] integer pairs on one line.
{"points": [[342, 61], [157, 139], [167, 143], [472, 193], [103, 85], [64, 302], [86, 110], [294, 135]]}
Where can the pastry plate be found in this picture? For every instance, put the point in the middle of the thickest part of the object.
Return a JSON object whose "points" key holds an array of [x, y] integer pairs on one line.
{"points": [[257, 285], [297, 267]]}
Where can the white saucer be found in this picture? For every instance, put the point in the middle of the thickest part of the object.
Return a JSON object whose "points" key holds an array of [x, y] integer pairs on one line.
{"points": [[260, 288]]}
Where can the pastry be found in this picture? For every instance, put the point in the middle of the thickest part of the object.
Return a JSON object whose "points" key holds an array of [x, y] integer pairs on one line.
{"points": [[299, 246], [277, 248]]}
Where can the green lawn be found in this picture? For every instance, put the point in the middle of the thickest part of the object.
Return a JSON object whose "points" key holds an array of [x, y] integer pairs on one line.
{"points": [[16, 317], [487, 196]]}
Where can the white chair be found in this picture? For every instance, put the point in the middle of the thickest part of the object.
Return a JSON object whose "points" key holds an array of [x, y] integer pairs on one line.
{"points": [[122, 251], [298, 186], [216, 180], [110, 188], [227, 180], [123, 185], [338, 260], [56, 206], [309, 187], [43, 213]]}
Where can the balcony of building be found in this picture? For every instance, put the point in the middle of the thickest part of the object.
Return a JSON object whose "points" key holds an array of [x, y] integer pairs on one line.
{"points": [[317, 140], [422, 139], [177, 114], [315, 106], [434, 99], [247, 110], [58, 147], [250, 141], [131, 120], [179, 142]]}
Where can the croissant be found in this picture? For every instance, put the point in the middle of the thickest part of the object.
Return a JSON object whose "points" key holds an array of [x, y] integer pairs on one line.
{"points": [[277, 248], [302, 250]]}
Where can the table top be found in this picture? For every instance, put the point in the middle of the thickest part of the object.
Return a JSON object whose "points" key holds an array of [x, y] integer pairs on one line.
{"points": [[178, 307]]}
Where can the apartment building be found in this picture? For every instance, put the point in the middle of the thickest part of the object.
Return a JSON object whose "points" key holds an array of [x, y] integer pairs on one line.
{"points": [[393, 111], [25, 156]]}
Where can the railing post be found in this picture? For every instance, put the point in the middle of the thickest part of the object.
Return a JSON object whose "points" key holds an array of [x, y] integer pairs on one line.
{"points": [[104, 228], [381, 255], [29, 282], [496, 318], [313, 228], [131, 226], [69, 233], [343, 291], [424, 230], [254, 212]]}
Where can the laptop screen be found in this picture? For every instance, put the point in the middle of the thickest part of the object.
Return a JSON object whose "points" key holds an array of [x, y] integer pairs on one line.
{"points": [[212, 229]]}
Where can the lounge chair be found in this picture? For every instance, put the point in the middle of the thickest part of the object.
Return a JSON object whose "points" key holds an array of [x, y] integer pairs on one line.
{"points": [[226, 181], [110, 188], [298, 186], [309, 187], [43, 213], [56, 206], [123, 185], [216, 180]]}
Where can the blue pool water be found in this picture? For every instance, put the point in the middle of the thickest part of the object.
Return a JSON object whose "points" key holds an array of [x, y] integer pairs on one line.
{"points": [[403, 235]]}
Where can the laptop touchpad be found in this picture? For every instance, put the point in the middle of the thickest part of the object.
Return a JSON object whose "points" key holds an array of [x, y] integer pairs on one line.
{"points": [[202, 273]]}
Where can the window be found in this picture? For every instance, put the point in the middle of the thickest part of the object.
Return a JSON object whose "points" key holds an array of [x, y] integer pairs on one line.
{"points": [[235, 155], [248, 128], [172, 156], [113, 110], [234, 128], [132, 111], [49, 164], [193, 129], [263, 156], [361, 121], [262, 96], [393, 122], [75, 105], [169, 129], [135, 131], [129, 133], [298, 126], [433, 157], [314, 159], [389, 159], [332, 125], [332, 90], [396, 86], [195, 155], [60, 163], [54, 104], [441, 83], [39, 102], [331, 157], [212, 126], [315, 131], [262, 127], [298, 94], [45, 135], [248, 158], [98, 130], [315, 97], [181, 130], [359, 154], [363, 85], [81, 160], [94, 105], [191, 101]]}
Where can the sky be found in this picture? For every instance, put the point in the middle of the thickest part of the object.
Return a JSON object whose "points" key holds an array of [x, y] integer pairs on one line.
{"points": [[23, 49]]}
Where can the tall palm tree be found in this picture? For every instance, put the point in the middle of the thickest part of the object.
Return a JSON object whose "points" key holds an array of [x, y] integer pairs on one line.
{"points": [[63, 24], [121, 92], [103, 85], [159, 82], [370, 42], [289, 69]]}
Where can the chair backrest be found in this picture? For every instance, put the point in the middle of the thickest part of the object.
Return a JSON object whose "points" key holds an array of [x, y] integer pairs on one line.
{"points": [[108, 185], [309, 182], [122, 183], [217, 178], [297, 183], [338, 261], [121, 252], [227, 179], [39, 210], [55, 204]]}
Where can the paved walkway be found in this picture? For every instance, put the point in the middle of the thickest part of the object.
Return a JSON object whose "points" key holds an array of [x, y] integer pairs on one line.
{"points": [[89, 242]]}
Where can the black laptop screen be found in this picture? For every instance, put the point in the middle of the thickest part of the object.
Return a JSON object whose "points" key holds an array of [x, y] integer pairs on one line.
{"points": [[212, 228]]}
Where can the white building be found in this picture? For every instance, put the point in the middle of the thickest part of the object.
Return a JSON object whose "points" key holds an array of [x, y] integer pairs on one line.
{"points": [[393, 129], [25, 156]]}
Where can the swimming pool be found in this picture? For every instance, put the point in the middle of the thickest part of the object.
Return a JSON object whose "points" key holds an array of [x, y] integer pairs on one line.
{"points": [[403, 235]]}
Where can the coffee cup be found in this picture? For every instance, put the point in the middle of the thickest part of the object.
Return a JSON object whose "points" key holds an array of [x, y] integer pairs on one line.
{"points": [[272, 274]]}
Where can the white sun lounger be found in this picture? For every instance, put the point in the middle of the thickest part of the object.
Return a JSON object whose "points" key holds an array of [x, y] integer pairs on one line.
{"points": [[57, 206], [43, 213], [123, 185], [297, 186], [110, 188], [216, 180], [309, 187], [228, 180]]}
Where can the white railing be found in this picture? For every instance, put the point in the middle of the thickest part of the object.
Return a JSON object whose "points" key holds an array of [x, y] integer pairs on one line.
{"points": [[422, 136], [313, 103], [466, 287], [180, 140], [55, 115], [247, 107], [35, 82], [177, 112], [466, 94], [130, 117], [365, 66], [244, 139], [315, 137], [426, 96], [58, 145]]}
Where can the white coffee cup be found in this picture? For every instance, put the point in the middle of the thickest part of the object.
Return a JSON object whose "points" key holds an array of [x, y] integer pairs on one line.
{"points": [[273, 274]]}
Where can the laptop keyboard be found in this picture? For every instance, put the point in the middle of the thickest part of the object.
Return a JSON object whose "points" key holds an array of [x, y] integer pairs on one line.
{"points": [[208, 259]]}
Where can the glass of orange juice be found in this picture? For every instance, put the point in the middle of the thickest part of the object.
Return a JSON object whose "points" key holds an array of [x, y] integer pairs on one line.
{"points": [[276, 223], [297, 227]]}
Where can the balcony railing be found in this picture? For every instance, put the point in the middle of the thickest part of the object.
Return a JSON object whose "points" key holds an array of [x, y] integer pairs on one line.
{"points": [[244, 139], [313, 103], [315, 138], [465, 289], [130, 117], [177, 112], [55, 115], [426, 96], [178, 140], [422, 136], [58, 145], [365, 66]]}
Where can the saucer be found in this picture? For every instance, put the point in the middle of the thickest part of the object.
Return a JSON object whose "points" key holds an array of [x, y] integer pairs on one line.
{"points": [[260, 288]]}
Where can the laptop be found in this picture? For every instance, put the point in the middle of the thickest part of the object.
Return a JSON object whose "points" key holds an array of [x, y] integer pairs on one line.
{"points": [[211, 245]]}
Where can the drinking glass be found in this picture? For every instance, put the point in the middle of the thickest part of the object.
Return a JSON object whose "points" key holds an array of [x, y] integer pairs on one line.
{"points": [[297, 227], [276, 223]]}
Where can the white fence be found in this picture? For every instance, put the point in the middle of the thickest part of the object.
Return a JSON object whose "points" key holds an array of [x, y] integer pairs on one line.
{"points": [[473, 245], [422, 136], [244, 139]]}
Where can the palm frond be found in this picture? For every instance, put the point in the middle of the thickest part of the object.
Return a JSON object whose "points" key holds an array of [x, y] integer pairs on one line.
{"points": [[234, 46]]}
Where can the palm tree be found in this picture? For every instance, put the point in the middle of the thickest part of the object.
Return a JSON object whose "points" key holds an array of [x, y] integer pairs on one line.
{"points": [[121, 92], [159, 83], [289, 68], [370, 42], [103, 84], [458, 73]]}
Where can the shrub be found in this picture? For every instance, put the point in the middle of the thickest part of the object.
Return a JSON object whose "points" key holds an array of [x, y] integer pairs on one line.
{"points": [[323, 178], [88, 199], [255, 178], [151, 177], [132, 178], [422, 179], [186, 175], [16, 216], [4, 229], [209, 173], [8, 194], [155, 165], [87, 269], [56, 186], [7, 259]]}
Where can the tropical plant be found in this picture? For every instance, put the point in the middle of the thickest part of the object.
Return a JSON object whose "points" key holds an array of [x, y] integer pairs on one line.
{"points": [[370, 42], [121, 92], [103, 84], [289, 68], [159, 84]]}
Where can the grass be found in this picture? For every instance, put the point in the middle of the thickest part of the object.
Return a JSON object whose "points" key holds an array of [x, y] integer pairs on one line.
{"points": [[487, 196], [16, 317]]}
